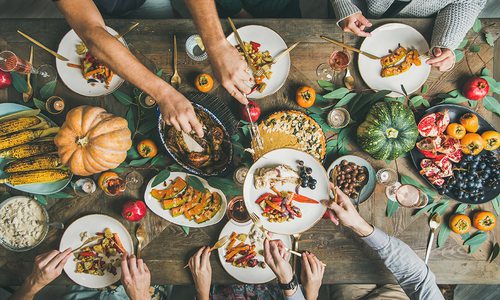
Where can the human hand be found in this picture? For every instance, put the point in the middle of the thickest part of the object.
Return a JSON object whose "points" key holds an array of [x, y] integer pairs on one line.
{"points": [[311, 274], [136, 278], [230, 68], [344, 212], [276, 257], [201, 270], [356, 24], [48, 266], [443, 59], [179, 112]]}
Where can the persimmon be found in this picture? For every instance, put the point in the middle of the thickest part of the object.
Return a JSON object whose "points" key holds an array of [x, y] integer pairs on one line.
{"points": [[491, 140], [147, 148], [472, 143], [456, 130], [470, 122], [104, 177], [305, 96], [484, 220], [204, 83], [460, 223]]}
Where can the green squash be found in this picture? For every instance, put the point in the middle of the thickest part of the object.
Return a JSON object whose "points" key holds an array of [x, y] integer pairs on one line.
{"points": [[389, 131]]}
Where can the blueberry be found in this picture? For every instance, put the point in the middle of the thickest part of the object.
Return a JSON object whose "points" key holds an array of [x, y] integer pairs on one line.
{"points": [[482, 166], [475, 198], [481, 198], [468, 158], [308, 170], [312, 186], [303, 184], [313, 181], [441, 191], [300, 162], [445, 191]]}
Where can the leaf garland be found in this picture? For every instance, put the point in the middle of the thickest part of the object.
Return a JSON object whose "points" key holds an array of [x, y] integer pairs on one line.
{"points": [[139, 162], [444, 233], [130, 116], [489, 39], [491, 104], [477, 25], [459, 55], [123, 98], [161, 177], [392, 206], [496, 205], [345, 100], [461, 208], [61, 195], [227, 186], [326, 85], [39, 104], [195, 183], [475, 240], [19, 82], [337, 94], [48, 89], [427, 208]]}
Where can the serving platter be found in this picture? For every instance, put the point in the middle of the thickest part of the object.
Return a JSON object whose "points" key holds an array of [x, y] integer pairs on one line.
{"points": [[155, 206], [93, 224], [455, 111], [35, 188], [311, 213], [255, 275]]}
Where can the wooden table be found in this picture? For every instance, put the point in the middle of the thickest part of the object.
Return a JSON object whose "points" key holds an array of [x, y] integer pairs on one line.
{"points": [[348, 259]]}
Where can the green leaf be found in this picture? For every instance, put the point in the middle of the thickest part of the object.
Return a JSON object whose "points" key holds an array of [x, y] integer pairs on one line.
{"points": [[425, 103], [496, 205], [475, 48], [139, 162], [185, 229], [463, 43], [451, 100], [342, 141], [491, 104], [160, 177], [459, 55], [494, 85], [472, 103], [473, 248], [245, 129], [235, 137], [337, 94], [427, 208], [494, 252], [465, 236], [461, 208], [476, 239], [404, 90], [159, 72], [132, 153], [175, 167], [477, 25], [388, 162], [158, 160], [485, 72], [326, 85], [454, 93], [195, 183], [424, 89], [315, 110], [61, 195], [123, 98], [345, 100], [227, 186], [48, 89], [41, 199], [489, 39], [444, 233], [441, 208], [19, 82], [119, 170], [39, 104], [147, 125], [130, 119], [330, 145], [392, 206]]}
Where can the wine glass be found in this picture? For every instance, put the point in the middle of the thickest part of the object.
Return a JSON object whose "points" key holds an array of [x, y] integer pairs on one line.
{"points": [[389, 178], [410, 196], [134, 180], [337, 62], [9, 62]]}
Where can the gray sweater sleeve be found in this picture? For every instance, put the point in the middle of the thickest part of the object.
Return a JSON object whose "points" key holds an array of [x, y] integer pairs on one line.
{"points": [[343, 9], [453, 22], [412, 274]]}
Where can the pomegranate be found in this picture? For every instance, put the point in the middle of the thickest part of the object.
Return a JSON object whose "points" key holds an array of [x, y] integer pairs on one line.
{"points": [[254, 110], [134, 210], [434, 124], [427, 147], [476, 88], [5, 79]]}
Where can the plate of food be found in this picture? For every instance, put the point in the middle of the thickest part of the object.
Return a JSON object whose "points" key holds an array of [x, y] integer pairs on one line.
{"points": [[28, 156], [284, 188], [186, 200], [83, 73], [291, 129], [354, 176], [96, 265], [207, 156], [263, 44], [402, 49], [242, 256], [457, 153]]}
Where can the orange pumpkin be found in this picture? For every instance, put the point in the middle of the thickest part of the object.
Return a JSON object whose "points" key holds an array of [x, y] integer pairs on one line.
{"points": [[470, 122], [204, 83], [305, 96], [460, 223], [91, 140], [484, 220], [456, 130], [491, 140], [472, 143]]}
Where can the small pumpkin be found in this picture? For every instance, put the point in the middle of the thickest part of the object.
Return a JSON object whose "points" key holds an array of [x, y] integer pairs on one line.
{"points": [[491, 140], [204, 83], [92, 140], [388, 131], [472, 143], [460, 223], [470, 121], [305, 96], [484, 220]]}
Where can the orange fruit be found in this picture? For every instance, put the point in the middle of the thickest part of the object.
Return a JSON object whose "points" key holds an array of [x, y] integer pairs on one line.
{"points": [[147, 148], [204, 83], [491, 140], [470, 122], [456, 130], [459, 223], [305, 96], [472, 143], [484, 220]]}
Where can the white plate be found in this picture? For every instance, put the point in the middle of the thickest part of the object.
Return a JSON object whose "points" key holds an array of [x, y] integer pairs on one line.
{"points": [[254, 275], [271, 41], [385, 38], [311, 213], [93, 224], [72, 77], [368, 189], [155, 205]]}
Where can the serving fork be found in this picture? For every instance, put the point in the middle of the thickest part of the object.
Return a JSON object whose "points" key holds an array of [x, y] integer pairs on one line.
{"points": [[140, 235], [88, 241], [260, 71]]}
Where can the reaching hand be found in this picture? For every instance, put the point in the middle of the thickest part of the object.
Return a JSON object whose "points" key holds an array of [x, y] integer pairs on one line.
{"points": [[201, 270], [356, 24], [230, 69], [179, 112], [136, 278], [48, 266], [311, 275], [443, 59], [345, 212], [276, 258]]}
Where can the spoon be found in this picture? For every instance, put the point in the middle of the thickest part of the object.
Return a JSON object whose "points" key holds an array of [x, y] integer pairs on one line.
{"points": [[175, 81], [433, 224], [348, 80], [140, 235]]}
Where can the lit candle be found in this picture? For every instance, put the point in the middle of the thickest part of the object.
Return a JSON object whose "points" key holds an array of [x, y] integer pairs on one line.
{"points": [[149, 101], [58, 105]]}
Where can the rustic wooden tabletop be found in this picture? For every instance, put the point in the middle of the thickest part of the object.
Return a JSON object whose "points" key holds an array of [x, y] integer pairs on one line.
{"points": [[168, 248]]}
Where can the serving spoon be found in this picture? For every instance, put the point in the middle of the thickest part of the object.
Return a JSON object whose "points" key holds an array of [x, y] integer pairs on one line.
{"points": [[434, 223]]}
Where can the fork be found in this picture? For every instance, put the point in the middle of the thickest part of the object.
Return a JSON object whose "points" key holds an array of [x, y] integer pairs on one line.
{"points": [[88, 241], [260, 71], [258, 223], [140, 235]]}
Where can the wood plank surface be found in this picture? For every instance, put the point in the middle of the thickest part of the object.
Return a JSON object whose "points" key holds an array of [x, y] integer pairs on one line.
{"points": [[168, 248]]}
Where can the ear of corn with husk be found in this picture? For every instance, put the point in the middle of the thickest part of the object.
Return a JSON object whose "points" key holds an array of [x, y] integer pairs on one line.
{"points": [[40, 162], [27, 150], [24, 137], [38, 176], [23, 123], [20, 114]]}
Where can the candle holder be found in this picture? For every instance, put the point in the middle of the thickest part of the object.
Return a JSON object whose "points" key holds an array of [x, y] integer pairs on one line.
{"points": [[55, 105]]}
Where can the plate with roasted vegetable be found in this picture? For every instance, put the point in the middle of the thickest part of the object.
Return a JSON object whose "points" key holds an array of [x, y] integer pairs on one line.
{"points": [[402, 51], [284, 188], [242, 255], [28, 156], [206, 156], [186, 200], [98, 243], [263, 44], [84, 73]]}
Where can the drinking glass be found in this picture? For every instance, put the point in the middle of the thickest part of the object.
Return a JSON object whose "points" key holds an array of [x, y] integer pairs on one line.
{"points": [[338, 61], [134, 180], [410, 196], [389, 178], [9, 62]]}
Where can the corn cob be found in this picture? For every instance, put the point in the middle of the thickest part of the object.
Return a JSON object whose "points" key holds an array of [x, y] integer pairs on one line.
{"points": [[20, 114], [20, 124], [24, 137], [40, 162], [38, 176], [28, 150]]}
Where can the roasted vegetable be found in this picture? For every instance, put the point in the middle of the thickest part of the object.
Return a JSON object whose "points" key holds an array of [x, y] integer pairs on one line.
{"points": [[24, 137], [38, 176], [394, 57], [20, 124], [40, 162], [27, 150], [177, 187], [20, 114]]}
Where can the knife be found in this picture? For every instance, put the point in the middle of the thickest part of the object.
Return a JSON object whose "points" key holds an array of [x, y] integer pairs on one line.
{"points": [[29, 38], [242, 46]]}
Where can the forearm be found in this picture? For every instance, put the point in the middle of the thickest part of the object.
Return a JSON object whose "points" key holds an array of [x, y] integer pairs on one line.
{"points": [[343, 9], [207, 22], [26, 291], [294, 295]]}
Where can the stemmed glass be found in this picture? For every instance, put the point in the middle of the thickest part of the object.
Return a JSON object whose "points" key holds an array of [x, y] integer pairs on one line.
{"points": [[9, 62], [388, 178], [337, 62], [406, 195]]}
